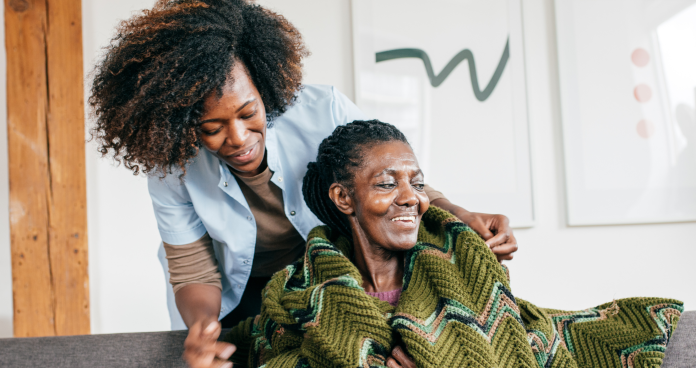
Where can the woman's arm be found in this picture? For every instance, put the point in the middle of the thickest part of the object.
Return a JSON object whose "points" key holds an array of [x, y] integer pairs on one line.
{"points": [[199, 305], [197, 290], [494, 229]]}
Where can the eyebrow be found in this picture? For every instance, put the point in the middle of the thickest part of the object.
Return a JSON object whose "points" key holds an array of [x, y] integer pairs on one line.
{"points": [[245, 104], [238, 110], [392, 172]]}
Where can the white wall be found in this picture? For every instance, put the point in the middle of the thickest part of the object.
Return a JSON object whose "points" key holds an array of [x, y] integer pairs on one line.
{"points": [[5, 259], [326, 29], [579, 267], [126, 280], [556, 266]]}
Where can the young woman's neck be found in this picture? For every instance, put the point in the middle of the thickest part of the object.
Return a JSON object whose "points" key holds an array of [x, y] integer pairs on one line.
{"points": [[380, 269]]}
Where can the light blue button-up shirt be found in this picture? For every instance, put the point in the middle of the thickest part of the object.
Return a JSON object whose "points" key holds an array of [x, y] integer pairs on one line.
{"points": [[210, 200]]}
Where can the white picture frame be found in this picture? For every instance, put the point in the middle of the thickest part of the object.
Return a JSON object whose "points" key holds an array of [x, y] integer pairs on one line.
{"points": [[628, 94], [467, 122]]}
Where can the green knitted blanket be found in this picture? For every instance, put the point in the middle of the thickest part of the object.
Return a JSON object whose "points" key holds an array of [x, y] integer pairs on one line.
{"points": [[456, 310]]}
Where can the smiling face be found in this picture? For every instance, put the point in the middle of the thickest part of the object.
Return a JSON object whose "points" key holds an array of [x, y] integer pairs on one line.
{"points": [[387, 200], [233, 126]]}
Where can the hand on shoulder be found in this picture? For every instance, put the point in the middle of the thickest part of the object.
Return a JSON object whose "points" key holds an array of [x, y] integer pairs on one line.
{"points": [[494, 229]]}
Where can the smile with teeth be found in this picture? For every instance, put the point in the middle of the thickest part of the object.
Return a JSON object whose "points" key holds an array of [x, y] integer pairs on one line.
{"points": [[244, 154], [405, 218]]}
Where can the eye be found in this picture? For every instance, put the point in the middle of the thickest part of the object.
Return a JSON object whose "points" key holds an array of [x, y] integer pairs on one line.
{"points": [[211, 132], [249, 116], [419, 186], [387, 185]]}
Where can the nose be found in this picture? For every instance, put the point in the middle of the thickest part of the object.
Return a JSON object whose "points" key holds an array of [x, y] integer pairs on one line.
{"points": [[237, 134], [407, 195]]}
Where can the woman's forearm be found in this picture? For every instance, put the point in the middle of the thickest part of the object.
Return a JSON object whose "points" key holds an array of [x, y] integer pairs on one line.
{"points": [[198, 303], [452, 208]]}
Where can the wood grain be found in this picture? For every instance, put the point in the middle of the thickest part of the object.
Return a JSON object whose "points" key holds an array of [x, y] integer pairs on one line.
{"points": [[66, 152], [46, 140]]}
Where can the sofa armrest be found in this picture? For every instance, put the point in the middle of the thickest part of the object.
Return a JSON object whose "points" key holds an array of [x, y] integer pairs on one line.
{"points": [[681, 351]]}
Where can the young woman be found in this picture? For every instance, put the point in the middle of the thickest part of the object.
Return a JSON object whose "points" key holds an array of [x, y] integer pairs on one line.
{"points": [[392, 281], [206, 97]]}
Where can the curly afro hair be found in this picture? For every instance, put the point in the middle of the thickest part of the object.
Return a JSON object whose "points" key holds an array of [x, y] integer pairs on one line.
{"points": [[148, 91]]}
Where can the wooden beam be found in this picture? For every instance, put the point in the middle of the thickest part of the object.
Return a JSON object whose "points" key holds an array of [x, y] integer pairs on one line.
{"points": [[46, 141], [66, 137]]}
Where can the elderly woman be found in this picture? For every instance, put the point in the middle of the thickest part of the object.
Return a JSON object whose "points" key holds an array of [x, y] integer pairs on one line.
{"points": [[392, 281]]}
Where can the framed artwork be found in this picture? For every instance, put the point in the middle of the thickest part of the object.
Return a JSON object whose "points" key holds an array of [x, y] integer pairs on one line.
{"points": [[450, 75], [628, 101]]}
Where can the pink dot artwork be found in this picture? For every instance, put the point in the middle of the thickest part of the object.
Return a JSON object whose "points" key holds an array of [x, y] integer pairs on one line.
{"points": [[645, 128], [643, 93], [640, 57]]}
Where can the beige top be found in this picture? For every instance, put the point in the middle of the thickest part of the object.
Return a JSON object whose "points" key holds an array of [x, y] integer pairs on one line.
{"points": [[193, 263], [277, 242]]}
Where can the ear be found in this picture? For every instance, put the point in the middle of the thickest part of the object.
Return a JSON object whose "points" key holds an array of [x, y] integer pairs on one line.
{"points": [[341, 198]]}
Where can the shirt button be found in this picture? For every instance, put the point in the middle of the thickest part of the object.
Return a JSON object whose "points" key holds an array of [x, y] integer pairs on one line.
{"points": [[246, 262], [239, 286], [292, 213], [249, 218], [280, 179], [225, 183]]}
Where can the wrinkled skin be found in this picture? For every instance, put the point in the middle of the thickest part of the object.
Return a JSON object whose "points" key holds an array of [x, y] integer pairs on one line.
{"points": [[384, 205]]}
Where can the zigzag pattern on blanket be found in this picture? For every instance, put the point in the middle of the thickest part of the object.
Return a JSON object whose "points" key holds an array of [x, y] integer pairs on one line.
{"points": [[641, 324], [474, 302], [456, 309], [500, 305], [625, 333], [295, 305]]}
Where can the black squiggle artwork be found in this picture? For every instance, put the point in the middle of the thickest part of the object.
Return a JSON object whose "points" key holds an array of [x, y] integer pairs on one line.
{"points": [[466, 54]]}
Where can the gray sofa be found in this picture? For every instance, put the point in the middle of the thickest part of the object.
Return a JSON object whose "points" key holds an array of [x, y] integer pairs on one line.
{"points": [[163, 349]]}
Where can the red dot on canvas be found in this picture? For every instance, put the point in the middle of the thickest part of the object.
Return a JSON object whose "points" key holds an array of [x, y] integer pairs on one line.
{"points": [[640, 57], [643, 93], [645, 128]]}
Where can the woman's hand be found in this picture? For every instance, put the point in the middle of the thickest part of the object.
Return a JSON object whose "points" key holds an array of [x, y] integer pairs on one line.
{"points": [[399, 358], [494, 229], [202, 350], [199, 305]]}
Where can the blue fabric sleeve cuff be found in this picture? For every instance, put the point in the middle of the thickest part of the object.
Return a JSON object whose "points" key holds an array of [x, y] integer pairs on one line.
{"points": [[183, 237]]}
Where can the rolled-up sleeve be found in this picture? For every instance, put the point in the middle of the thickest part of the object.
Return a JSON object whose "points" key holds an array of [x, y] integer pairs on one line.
{"points": [[177, 220]]}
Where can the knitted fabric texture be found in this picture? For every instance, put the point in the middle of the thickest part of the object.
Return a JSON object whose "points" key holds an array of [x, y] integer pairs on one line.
{"points": [[456, 310]]}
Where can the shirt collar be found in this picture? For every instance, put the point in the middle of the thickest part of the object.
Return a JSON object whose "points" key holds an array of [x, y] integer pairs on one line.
{"points": [[272, 159]]}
